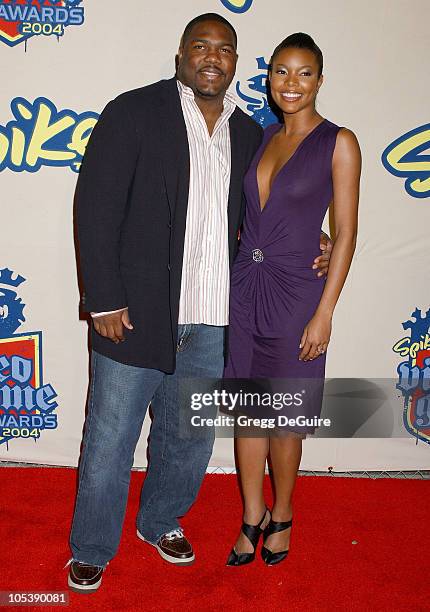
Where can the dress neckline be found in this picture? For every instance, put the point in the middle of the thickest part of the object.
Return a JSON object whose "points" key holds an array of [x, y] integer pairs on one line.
{"points": [[263, 148]]}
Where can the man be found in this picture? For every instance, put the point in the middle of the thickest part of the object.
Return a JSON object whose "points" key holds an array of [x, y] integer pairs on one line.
{"points": [[159, 204]]}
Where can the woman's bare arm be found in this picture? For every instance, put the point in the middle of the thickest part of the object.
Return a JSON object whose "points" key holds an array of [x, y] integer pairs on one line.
{"points": [[346, 169]]}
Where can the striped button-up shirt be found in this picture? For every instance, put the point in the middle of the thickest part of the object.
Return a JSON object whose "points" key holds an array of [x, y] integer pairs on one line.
{"points": [[205, 270]]}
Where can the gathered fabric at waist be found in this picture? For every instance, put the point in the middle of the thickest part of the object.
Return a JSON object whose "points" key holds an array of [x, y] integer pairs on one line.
{"points": [[274, 293]]}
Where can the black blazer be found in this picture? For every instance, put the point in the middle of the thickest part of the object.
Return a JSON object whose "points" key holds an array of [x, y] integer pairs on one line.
{"points": [[131, 207]]}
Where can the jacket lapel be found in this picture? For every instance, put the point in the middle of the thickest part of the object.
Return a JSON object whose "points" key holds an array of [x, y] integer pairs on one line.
{"points": [[236, 180], [174, 149]]}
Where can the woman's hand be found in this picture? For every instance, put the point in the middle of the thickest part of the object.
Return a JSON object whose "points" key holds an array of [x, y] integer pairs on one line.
{"points": [[315, 338]]}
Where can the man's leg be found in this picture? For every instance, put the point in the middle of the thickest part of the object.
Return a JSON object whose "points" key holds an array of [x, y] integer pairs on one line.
{"points": [[177, 465], [118, 400]]}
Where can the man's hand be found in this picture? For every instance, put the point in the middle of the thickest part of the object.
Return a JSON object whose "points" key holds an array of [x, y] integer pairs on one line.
{"points": [[322, 262], [111, 325]]}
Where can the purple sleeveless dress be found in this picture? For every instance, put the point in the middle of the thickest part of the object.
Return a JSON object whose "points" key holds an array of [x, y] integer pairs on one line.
{"points": [[274, 291]]}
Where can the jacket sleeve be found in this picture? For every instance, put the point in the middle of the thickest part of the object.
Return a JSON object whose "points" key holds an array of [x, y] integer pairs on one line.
{"points": [[101, 199]]}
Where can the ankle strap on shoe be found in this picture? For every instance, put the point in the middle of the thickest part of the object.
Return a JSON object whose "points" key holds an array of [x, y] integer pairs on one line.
{"points": [[276, 526], [253, 532]]}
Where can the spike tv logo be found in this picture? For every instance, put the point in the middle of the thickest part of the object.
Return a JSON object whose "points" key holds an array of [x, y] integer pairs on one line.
{"points": [[407, 157], [22, 19], [414, 374], [26, 404]]}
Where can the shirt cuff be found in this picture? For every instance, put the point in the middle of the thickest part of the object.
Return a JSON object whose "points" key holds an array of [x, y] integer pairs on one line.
{"points": [[101, 314]]}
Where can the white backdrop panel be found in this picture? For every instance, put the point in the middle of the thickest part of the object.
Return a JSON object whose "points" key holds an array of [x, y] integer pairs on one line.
{"points": [[374, 84]]}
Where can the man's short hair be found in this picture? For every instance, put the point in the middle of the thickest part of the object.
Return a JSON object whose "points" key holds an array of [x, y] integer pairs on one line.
{"points": [[207, 17]]}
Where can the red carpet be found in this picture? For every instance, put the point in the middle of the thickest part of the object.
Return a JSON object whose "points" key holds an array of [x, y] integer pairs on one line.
{"points": [[386, 570]]}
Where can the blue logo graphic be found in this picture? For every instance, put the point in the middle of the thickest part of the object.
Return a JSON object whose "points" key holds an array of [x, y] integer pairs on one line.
{"points": [[237, 6], [26, 404], [40, 135], [256, 103], [414, 375], [22, 19], [11, 307], [405, 158]]}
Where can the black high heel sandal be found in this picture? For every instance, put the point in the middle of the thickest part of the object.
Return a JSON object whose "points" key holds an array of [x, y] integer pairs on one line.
{"points": [[253, 533], [269, 557]]}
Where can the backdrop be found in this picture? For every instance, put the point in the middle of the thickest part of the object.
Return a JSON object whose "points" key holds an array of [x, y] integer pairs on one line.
{"points": [[62, 61]]}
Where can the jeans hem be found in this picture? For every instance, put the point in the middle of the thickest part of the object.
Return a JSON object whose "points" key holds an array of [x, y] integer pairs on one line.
{"points": [[152, 540], [101, 565]]}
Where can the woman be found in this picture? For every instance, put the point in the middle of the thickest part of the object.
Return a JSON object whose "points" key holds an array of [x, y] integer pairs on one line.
{"points": [[280, 312]]}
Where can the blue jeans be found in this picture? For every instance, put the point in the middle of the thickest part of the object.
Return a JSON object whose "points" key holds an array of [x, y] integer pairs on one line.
{"points": [[118, 400]]}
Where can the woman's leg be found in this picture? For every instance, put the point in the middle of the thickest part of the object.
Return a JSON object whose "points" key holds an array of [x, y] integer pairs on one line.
{"points": [[251, 459], [285, 454]]}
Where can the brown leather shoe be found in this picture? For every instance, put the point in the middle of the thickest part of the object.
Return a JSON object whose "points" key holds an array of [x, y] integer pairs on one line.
{"points": [[84, 578], [173, 547]]}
